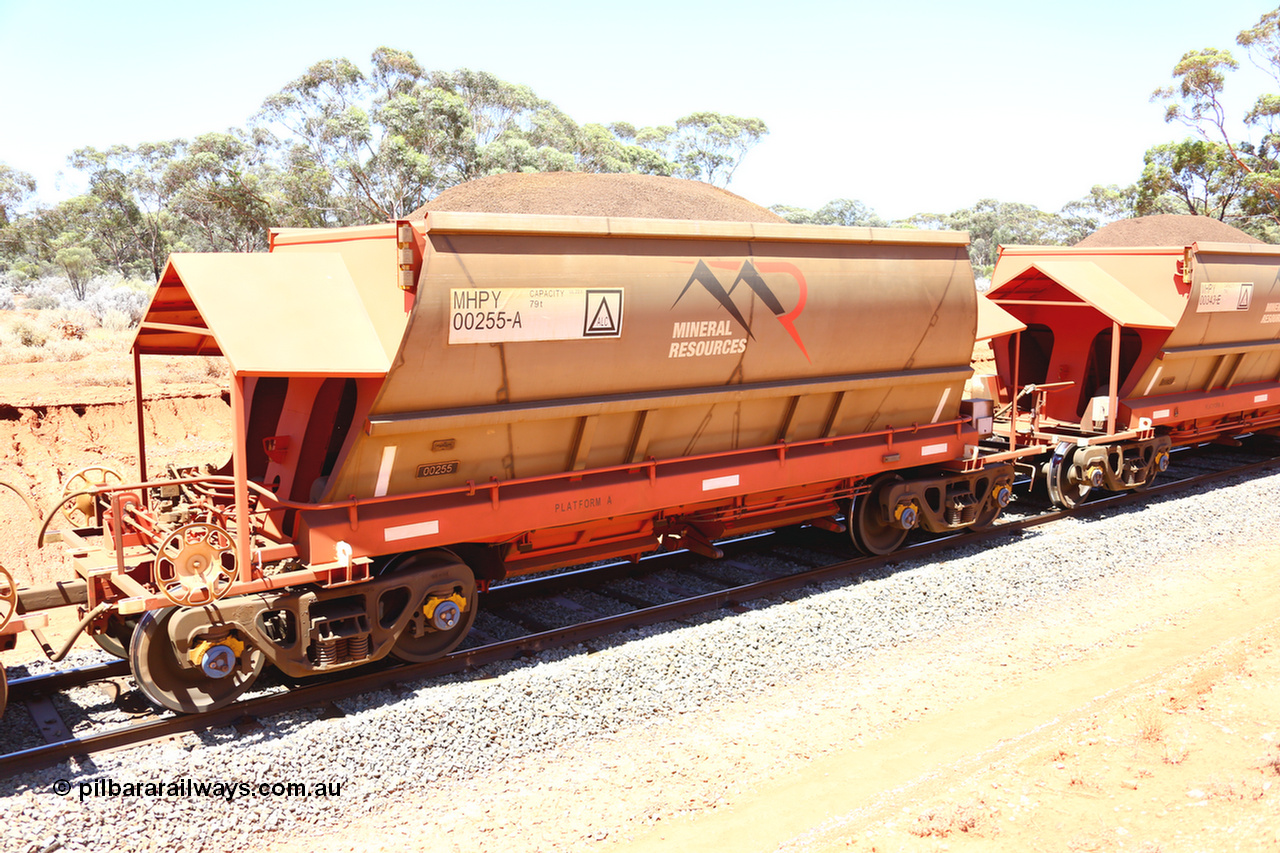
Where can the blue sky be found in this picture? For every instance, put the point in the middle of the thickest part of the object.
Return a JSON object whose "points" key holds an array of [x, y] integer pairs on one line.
{"points": [[908, 106]]}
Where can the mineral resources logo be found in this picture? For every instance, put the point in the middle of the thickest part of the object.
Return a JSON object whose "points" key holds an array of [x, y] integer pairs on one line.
{"points": [[716, 337]]}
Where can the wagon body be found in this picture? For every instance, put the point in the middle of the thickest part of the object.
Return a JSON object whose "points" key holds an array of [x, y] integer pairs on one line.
{"points": [[470, 350], [538, 345], [1195, 332]]}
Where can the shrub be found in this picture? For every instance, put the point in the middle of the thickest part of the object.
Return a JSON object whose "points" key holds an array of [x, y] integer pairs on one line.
{"points": [[40, 299], [68, 350], [101, 295], [116, 321], [122, 299], [6, 299], [28, 335]]}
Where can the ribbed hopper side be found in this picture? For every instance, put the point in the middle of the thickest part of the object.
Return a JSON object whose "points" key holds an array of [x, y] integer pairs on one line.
{"points": [[539, 345]]}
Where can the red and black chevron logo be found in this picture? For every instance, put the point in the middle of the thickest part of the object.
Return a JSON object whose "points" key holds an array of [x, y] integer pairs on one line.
{"points": [[751, 273]]}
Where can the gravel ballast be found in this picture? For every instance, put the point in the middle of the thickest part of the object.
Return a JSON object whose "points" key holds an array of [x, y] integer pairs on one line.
{"points": [[475, 726]]}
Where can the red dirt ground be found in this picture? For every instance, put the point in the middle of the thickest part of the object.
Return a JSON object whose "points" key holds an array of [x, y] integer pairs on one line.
{"points": [[52, 424]]}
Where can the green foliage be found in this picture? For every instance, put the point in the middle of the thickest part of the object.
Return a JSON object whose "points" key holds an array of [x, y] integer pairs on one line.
{"points": [[1227, 178], [709, 146], [703, 146], [840, 211], [15, 188], [364, 148], [338, 145], [221, 192], [1202, 176], [847, 211], [794, 215], [41, 301], [133, 198], [990, 223], [993, 223], [1104, 204], [1201, 76], [77, 262]]}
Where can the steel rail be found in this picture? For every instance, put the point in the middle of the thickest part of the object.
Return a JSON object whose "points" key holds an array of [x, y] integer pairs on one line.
{"points": [[21, 689], [367, 680], [25, 687]]}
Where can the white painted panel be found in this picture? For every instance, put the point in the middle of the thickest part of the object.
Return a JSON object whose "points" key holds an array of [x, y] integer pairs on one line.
{"points": [[411, 531], [720, 483], [384, 471]]}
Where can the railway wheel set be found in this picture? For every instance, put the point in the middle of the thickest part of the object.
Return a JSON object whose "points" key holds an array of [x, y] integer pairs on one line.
{"points": [[402, 444], [8, 607]]}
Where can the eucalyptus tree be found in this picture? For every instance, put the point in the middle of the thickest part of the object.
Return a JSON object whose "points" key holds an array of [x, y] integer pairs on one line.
{"points": [[839, 211], [1197, 101], [1203, 178], [224, 196], [992, 223], [703, 146], [132, 203], [16, 187]]}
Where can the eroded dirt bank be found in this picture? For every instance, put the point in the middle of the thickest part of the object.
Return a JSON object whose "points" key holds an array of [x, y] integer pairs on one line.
{"points": [[41, 446]]}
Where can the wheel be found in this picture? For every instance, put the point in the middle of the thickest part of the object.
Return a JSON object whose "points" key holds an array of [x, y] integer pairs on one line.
{"points": [[166, 682], [1062, 489], [197, 564], [8, 597], [8, 606], [993, 505], [988, 515], [1145, 484], [433, 634], [1160, 464], [115, 640], [79, 511], [872, 533]]}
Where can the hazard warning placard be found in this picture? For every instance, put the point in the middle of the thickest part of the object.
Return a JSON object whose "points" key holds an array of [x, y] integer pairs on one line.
{"points": [[485, 315]]}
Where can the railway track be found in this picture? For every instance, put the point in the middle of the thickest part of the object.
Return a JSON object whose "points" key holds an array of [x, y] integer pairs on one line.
{"points": [[523, 604]]}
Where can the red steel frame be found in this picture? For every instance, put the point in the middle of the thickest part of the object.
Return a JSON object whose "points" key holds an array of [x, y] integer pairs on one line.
{"points": [[1187, 418], [603, 512]]}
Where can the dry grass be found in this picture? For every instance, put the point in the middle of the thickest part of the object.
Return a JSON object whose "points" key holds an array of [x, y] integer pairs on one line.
{"points": [[62, 336], [28, 337], [944, 822], [1241, 791], [1175, 754], [111, 377], [1150, 725]]}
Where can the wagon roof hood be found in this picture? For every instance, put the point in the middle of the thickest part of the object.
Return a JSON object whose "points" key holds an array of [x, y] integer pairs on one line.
{"points": [[994, 321], [1136, 303], [288, 314]]}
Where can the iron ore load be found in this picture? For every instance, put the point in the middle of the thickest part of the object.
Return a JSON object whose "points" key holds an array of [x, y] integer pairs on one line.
{"points": [[424, 407]]}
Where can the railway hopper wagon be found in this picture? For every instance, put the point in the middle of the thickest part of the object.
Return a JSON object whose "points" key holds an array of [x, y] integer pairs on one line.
{"points": [[1128, 352], [422, 408]]}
